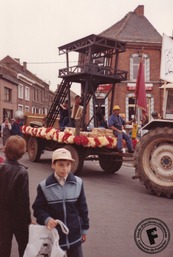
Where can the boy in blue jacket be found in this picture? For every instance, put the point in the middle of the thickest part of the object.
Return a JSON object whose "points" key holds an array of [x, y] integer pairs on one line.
{"points": [[61, 196]]}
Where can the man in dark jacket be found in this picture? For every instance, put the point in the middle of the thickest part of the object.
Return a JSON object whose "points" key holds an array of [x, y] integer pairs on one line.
{"points": [[64, 113], [14, 198], [16, 128], [61, 196]]}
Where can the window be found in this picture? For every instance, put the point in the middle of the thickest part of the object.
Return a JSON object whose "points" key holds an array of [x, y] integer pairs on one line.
{"points": [[20, 91], [27, 91], [35, 110], [7, 94], [45, 111], [40, 111], [26, 108], [20, 107], [130, 107], [41, 97], [134, 65], [35, 94], [46, 94]]}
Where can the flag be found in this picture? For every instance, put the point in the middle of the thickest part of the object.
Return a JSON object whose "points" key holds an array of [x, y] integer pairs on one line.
{"points": [[140, 93]]}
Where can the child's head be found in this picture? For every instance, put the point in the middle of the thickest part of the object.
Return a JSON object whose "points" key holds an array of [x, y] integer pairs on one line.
{"points": [[62, 161], [66, 103], [6, 121], [15, 148], [77, 99]]}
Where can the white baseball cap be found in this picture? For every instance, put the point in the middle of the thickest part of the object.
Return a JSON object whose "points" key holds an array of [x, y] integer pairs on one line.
{"points": [[61, 154]]}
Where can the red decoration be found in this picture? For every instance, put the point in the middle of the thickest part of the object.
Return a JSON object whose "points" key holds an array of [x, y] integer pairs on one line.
{"points": [[97, 142], [66, 136], [57, 134], [48, 129], [81, 140], [24, 128], [110, 142], [134, 143]]}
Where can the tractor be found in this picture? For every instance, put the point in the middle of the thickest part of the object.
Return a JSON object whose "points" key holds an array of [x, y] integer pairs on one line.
{"points": [[153, 158]]}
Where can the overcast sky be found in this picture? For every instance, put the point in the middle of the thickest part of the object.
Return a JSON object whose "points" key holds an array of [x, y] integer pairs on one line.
{"points": [[32, 30]]}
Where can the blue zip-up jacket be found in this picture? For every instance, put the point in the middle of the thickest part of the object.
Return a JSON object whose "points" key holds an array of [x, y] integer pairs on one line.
{"points": [[67, 203]]}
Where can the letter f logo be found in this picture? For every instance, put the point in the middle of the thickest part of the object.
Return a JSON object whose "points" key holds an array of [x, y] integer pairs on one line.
{"points": [[152, 235]]}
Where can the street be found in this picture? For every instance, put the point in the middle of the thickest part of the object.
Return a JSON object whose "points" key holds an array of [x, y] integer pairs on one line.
{"points": [[116, 202]]}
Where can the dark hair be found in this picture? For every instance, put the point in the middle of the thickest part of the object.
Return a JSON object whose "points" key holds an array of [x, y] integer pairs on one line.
{"points": [[77, 96], [15, 148], [154, 114]]}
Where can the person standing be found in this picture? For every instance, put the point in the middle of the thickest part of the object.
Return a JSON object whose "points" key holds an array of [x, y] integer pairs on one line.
{"points": [[116, 123], [61, 196], [18, 122], [14, 198], [16, 127], [5, 130], [77, 110], [76, 115], [64, 113]]}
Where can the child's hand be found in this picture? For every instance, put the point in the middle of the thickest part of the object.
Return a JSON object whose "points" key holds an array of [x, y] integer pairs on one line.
{"points": [[52, 224], [83, 238]]}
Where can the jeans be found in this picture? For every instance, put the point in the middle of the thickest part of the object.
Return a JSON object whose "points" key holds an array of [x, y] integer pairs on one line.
{"points": [[120, 136], [65, 123], [75, 252]]}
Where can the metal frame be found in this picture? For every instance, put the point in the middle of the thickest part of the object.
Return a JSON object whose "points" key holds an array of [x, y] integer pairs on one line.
{"points": [[97, 64]]}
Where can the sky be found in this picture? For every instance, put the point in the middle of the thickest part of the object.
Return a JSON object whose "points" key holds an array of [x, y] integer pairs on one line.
{"points": [[32, 30]]}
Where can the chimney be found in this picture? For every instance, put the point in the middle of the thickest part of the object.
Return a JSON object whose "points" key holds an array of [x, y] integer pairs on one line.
{"points": [[24, 66], [139, 10]]}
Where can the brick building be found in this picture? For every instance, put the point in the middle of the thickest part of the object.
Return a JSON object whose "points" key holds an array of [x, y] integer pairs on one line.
{"points": [[22, 90], [142, 39]]}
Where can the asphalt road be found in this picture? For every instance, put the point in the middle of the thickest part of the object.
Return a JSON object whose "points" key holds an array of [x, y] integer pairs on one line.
{"points": [[116, 206]]}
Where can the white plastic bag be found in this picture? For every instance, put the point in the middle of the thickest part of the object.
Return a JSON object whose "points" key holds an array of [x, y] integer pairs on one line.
{"points": [[44, 242]]}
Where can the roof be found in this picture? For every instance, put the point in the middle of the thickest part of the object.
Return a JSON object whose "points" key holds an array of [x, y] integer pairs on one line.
{"points": [[98, 43], [134, 27], [8, 78], [12, 68]]}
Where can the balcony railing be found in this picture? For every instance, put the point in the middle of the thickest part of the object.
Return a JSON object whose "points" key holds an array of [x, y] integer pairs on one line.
{"points": [[93, 69]]}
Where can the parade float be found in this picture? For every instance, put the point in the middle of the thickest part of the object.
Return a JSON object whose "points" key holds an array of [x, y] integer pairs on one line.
{"points": [[98, 65]]}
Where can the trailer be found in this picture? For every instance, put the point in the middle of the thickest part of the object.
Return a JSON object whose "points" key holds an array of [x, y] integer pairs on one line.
{"points": [[97, 65]]}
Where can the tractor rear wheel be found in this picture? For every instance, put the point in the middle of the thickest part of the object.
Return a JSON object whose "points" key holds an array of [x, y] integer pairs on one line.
{"points": [[153, 161]]}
